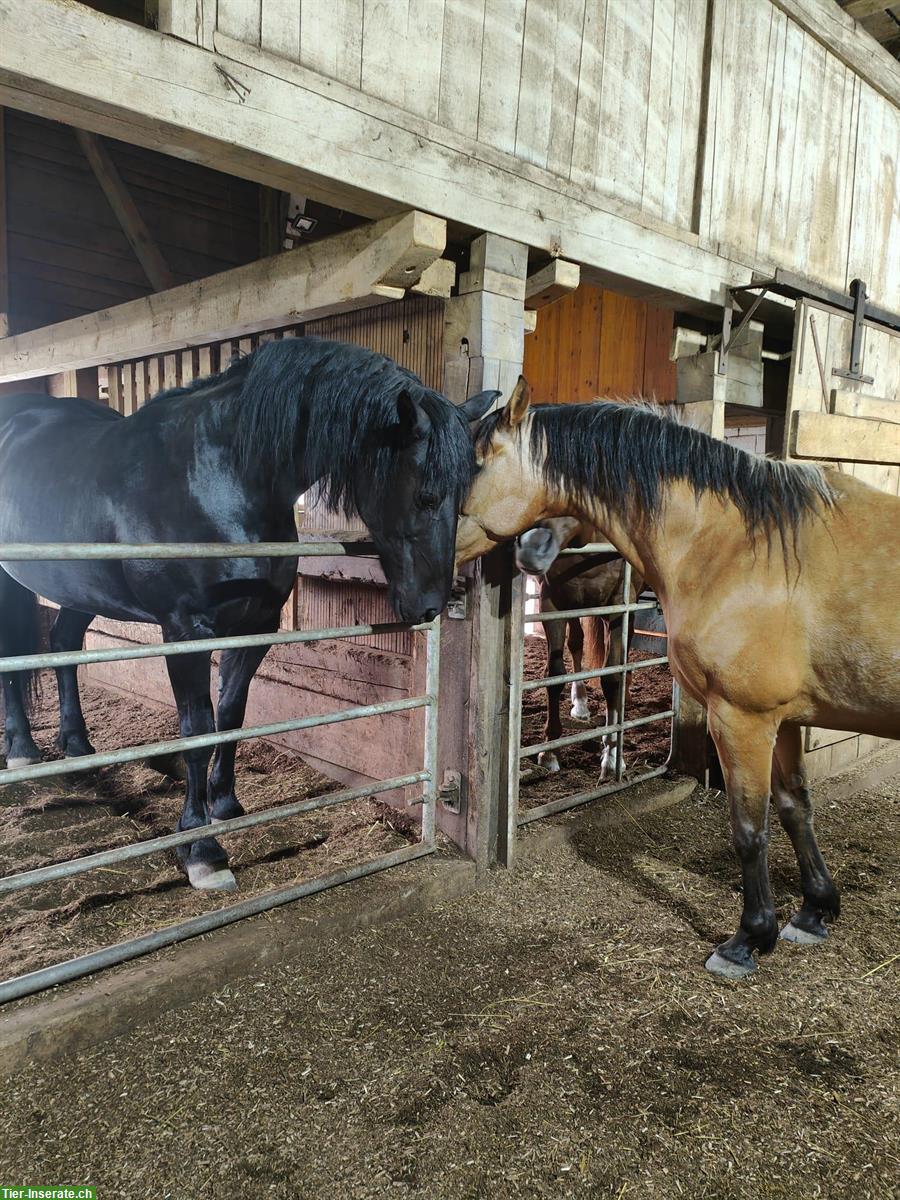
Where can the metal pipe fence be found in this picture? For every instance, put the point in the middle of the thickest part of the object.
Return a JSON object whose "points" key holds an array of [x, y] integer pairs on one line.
{"points": [[120, 952], [519, 686]]}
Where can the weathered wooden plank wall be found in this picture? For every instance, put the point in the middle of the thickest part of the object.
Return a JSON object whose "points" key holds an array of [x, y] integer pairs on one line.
{"points": [[761, 142], [594, 343]]}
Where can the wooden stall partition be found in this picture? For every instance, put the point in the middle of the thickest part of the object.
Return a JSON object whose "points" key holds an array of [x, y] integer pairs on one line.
{"points": [[855, 426]]}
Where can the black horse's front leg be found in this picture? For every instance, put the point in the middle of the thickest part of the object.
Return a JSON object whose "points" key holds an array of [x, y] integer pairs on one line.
{"points": [[68, 633], [204, 861], [236, 671]]}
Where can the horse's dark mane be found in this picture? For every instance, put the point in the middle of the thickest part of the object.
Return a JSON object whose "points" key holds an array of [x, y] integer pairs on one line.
{"points": [[624, 455], [346, 397]]}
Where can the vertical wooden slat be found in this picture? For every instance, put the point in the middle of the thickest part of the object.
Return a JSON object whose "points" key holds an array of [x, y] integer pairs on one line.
{"points": [[114, 387], [128, 397], [461, 80], [622, 343], [240, 19], [170, 370], [422, 65], [587, 105], [538, 52], [280, 28], [384, 46], [188, 366], [154, 376], [566, 62], [501, 66], [331, 38]]}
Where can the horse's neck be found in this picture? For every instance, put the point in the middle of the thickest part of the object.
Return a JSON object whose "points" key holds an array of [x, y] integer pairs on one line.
{"points": [[669, 551]]}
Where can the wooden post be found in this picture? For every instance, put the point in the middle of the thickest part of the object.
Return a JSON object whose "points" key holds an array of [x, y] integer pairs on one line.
{"points": [[484, 345], [4, 240], [690, 739]]}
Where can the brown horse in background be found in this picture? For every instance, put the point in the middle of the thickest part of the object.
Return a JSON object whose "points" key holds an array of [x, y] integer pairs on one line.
{"points": [[578, 581], [779, 586]]}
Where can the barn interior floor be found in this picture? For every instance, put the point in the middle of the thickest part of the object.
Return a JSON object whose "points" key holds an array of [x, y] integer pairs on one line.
{"points": [[550, 1035], [56, 819]]}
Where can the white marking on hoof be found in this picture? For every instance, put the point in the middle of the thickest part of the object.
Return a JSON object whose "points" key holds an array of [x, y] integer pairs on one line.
{"points": [[580, 711], [608, 761], [13, 764], [802, 937], [717, 965], [206, 878], [549, 761]]}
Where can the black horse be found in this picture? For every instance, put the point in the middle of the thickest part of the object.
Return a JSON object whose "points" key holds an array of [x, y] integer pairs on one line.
{"points": [[222, 460]]}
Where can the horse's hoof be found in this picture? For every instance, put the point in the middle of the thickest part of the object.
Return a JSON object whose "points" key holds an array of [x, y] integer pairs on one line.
{"points": [[804, 937], [580, 712], [549, 761], [208, 877], [13, 764], [717, 965]]}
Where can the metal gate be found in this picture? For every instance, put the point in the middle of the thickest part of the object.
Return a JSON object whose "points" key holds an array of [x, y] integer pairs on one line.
{"points": [[48, 976], [519, 685]]}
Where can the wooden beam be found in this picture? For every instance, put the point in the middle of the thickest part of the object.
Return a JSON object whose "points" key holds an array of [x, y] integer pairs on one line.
{"points": [[837, 438], [848, 41], [4, 239], [313, 281], [874, 408], [292, 128], [551, 283], [133, 224]]}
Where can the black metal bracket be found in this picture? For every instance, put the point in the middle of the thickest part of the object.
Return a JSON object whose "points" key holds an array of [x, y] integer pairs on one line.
{"points": [[795, 287], [858, 292]]}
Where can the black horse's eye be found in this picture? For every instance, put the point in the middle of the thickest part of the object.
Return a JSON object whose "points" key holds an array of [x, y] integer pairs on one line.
{"points": [[429, 500]]}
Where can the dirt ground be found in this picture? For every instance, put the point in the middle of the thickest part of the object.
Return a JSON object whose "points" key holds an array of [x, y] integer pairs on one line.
{"points": [[644, 747], [52, 820], [553, 1035]]}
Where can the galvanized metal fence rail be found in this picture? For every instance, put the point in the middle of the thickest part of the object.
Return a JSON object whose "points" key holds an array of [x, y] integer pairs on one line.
{"points": [[518, 685], [46, 977]]}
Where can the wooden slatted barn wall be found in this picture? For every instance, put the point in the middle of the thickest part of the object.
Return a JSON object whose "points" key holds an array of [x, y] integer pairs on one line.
{"points": [[606, 93], [67, 252], [594, 342]]}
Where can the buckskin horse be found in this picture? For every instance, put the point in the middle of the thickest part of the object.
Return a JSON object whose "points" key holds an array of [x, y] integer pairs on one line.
{"points": [[778, 582], [221, 460]]}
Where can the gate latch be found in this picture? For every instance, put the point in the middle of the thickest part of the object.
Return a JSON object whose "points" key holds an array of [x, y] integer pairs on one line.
{"points": [[450, 793]]}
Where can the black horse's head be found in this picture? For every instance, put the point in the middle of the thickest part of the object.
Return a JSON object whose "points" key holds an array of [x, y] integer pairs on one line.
{"points": [[410, 496], [374, 439]]}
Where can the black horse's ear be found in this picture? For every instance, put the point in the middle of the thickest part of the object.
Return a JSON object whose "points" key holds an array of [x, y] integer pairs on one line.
{"points": [[475, 407], [414, 424]]}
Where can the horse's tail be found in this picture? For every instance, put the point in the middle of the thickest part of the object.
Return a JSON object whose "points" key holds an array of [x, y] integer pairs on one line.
{"points": [[19, 633], [596, 641]]}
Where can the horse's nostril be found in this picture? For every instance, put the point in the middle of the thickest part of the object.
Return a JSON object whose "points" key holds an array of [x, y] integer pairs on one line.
{"points": [[429, 615]]}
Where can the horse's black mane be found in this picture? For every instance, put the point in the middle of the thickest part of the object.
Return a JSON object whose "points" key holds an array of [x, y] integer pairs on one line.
{"points": [[624, 455], [347, 398]]}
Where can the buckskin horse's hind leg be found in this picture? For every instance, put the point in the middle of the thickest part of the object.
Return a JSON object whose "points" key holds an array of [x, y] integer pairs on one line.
{"points": [[236, 671], [68, 633], [821, 898], [204, 861], [744, 742]]}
